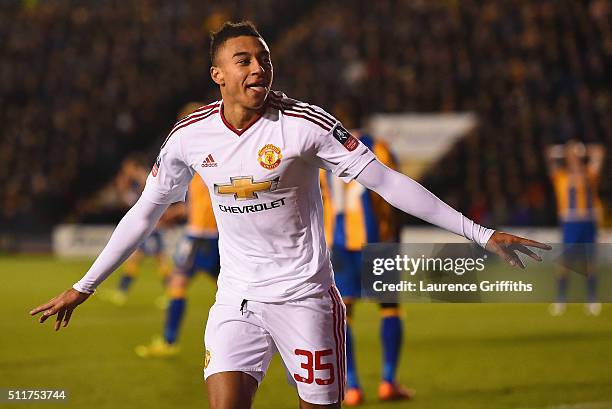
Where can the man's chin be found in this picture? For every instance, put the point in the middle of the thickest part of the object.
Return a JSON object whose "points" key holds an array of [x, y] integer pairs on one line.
{"points": [[256, 102]]}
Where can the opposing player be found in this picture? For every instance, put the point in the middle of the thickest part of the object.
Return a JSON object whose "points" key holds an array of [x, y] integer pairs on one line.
{"points": [[130, 183], [355, 216], [579, 208], [275, 288]]}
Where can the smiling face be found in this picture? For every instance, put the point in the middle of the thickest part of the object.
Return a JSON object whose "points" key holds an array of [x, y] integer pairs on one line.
{"points": [[243, 70]]}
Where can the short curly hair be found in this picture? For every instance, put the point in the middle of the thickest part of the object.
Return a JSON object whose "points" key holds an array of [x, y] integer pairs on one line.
{"points": [[230, 30]]}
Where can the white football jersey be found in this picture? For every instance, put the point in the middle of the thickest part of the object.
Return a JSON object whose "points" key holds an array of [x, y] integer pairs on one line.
{"points": [[264, 185]]}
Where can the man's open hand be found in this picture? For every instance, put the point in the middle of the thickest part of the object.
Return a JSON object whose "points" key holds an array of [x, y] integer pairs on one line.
{"points": [[506, 245], [62, 305]]}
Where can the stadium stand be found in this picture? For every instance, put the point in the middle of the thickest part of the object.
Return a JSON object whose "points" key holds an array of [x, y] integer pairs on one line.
{"points": [[535, 73], [83, 86]]}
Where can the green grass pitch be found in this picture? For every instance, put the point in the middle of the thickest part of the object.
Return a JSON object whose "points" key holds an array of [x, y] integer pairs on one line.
{"points": [[455, 356]]}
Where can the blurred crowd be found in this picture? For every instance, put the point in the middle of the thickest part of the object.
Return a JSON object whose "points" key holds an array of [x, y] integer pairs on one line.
{"points": [[82, 85], [535, 72]]}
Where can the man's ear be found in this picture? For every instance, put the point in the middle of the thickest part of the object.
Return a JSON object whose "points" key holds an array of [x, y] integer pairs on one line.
{"points": [[217, 76]]}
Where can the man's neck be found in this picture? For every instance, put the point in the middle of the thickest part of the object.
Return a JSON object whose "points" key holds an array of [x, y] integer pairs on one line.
{"points": [[238, 116]]}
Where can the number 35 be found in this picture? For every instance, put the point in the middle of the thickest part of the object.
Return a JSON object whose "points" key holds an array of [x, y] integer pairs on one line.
{"points": [[318, 366]]}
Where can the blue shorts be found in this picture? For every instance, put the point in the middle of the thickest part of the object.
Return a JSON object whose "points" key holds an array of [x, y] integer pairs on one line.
{"points": [[579, 232], [195, 254], [347, 271], [579, 243], [152, 245]]}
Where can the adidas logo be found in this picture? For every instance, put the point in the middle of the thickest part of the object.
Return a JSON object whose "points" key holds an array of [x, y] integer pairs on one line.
{"points": [[209, 162]]}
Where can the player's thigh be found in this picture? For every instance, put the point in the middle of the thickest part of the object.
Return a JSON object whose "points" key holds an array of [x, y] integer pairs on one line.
{"points": [[347, 265], [207, 257], [158, 244], [185, 255], [231, 390], [310, 336], [236, 341], [153, 244]]}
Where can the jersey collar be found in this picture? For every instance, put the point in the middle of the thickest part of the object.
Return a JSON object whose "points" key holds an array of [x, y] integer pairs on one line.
{"points": [[239, 132]]}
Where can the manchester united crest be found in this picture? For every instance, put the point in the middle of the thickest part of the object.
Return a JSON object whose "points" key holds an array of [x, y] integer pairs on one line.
{"points": [[206, 359], [269, 156]]}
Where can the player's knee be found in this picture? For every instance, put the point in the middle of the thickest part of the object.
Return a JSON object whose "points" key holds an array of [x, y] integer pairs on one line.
{"points": [[231, 390], [177, 286], [306, 405], [389, 310], [178, 281]]}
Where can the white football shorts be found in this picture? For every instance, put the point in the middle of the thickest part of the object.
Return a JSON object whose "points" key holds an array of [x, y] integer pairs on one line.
{"points": [[309, 334]]}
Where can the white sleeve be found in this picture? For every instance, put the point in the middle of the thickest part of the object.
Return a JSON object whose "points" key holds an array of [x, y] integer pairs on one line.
{"points": [[168, 181], [133, 228], [411, 197], [341, 153]]}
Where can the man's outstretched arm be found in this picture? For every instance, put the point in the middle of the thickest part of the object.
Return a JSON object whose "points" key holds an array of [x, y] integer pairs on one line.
{"points": [[411, 197], [135, 226]]}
